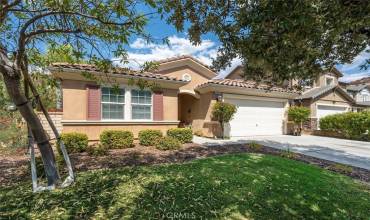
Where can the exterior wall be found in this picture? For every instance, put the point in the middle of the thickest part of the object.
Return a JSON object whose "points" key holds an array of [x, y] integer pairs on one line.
{"points": [[363, 96], [333, 98], [56, 117], [93, 131], [199, 113], [235, 74], [321, 80], [74, 100], [196, 77], [75, 110]]}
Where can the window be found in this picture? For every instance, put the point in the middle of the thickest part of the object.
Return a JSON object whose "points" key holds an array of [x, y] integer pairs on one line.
{"points": [[113, 103], [329, 81], [365, 98], [141, 102]]}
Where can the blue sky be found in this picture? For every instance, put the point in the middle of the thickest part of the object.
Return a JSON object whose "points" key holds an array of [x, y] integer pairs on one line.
{"points": [[140, 51]]}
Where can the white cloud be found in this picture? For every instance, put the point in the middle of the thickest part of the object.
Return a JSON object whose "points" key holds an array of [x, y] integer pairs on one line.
{"points": [[141, 51], [352, 71]]}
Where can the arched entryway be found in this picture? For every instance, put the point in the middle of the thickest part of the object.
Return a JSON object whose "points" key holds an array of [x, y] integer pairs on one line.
{"points": [[187, 104]]}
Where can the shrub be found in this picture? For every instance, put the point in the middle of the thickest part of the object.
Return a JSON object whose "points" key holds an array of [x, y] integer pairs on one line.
{"points": [[342, 168], [288, 154], [223, 112], [149, 137], [298, 115], [168, 143], [74, 142], [255, 146], [96, 150], [184, 135], [114, 139], [353, 125]]}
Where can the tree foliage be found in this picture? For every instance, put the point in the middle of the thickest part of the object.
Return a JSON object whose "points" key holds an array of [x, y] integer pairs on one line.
{"points": [[279, 39], [96, 30]]}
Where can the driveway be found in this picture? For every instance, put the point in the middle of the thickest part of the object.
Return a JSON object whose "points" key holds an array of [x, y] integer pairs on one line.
{"points": [[355, 153]]}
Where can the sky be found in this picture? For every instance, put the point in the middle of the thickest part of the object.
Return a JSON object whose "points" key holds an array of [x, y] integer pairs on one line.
{"points": [[140, 51]]}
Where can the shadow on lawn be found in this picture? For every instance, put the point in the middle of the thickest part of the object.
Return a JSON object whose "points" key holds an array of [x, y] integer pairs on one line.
{"points": [[243, 188], [234, 186]]}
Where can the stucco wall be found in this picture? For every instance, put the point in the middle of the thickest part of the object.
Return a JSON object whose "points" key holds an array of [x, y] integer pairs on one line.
{"points": [[196, 77], [75, 109], [202, 116], [333, 98], [75, 101], [321, 80]]}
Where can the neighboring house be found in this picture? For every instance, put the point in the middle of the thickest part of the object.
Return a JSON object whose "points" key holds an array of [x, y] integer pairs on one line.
{"points": [[187, 93], [360, 93]]}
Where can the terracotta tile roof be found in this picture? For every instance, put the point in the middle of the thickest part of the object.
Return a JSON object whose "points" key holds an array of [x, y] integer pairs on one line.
{"points": [[116, 70], [185, 57], [247, 84]]}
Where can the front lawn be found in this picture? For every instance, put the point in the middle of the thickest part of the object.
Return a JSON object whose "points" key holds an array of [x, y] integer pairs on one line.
{"points": [[239, 186]]}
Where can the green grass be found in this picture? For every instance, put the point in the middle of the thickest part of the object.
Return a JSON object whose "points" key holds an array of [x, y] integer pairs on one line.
{"points": [[239, 186]]}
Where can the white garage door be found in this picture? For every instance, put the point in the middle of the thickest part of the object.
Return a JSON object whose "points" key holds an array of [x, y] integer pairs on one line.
{"points": [[324, 110], [256, 117]]}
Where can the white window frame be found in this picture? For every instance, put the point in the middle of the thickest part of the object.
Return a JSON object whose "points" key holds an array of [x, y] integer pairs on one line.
{"points": [[141, 104], [329, 77], [102, 102]]}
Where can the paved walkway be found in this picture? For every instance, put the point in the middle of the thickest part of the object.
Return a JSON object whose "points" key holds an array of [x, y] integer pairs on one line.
{"points": [[355, 153]]}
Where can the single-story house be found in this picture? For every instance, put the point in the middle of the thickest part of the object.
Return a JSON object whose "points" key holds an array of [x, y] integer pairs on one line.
{"points": [[187, 93]]}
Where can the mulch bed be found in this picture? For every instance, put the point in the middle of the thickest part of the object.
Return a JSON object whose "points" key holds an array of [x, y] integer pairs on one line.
{"points": [[14, 169]]}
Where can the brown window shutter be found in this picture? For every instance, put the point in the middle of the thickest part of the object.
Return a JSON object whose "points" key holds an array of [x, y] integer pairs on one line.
{"points": [[93, 102], [158, 106]]}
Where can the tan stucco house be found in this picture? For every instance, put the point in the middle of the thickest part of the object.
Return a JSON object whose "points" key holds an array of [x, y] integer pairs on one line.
{"points": [[185, 98]]}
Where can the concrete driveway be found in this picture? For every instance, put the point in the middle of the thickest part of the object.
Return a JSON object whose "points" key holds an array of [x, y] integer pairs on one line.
{"points": [[355, 153]]}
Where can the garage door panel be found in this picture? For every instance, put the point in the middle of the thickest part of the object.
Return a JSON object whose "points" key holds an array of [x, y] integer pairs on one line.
{"points": [[256, 117], [325, 110]]}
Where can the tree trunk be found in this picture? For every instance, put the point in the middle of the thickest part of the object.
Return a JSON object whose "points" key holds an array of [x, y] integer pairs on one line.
{"points": [[222, 130], [13, 85]]}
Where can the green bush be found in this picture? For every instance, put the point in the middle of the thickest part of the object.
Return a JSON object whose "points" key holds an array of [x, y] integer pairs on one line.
{"points": [[115, 139], [96, 150], [299, 115], [74, 142], [255, 146], [168, 143], [223, 112], [184, 135], [353, 125], [149, 137]]}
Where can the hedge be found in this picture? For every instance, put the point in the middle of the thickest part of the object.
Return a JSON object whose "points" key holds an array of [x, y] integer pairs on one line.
{"points": [[74, 142], [168, 143], [184, 135], [149, 137], [114, 139], [352, 125]]}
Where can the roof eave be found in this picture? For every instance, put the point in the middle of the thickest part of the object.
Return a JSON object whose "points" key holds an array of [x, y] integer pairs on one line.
{"points": [[55, 70], [242, 90]]}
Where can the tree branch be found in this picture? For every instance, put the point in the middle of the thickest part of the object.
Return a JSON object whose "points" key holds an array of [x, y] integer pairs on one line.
{"points": [[47, 31]]}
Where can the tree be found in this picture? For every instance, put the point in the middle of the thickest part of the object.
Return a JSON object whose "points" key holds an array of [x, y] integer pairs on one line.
{"points": [[280, 39], [223, 112], [299, 115], [90, 26]]}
